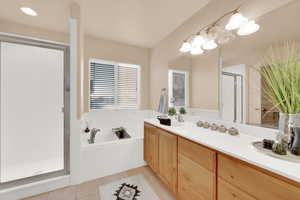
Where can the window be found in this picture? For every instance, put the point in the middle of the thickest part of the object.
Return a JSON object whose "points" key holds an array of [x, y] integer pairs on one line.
{"points": [[113, 85], [178, 88]]}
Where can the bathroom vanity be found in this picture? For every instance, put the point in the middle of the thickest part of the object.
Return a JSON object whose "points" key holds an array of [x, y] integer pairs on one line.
{"points": [[198, 164]]}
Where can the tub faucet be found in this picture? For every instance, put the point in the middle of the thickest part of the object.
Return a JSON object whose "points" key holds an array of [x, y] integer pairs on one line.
{"points": [[93, 133]]}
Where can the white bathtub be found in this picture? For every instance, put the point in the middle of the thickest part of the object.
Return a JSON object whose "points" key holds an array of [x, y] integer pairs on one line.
{"points": [[99, 139], [110, 155], [107, 158]]}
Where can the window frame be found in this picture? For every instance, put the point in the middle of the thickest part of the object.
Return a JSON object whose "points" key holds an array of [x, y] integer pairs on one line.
{"points": [[186, 86], [116, 65]]}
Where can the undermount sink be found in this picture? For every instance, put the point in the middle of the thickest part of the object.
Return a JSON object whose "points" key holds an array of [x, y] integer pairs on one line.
{"points": [[289, 157]]}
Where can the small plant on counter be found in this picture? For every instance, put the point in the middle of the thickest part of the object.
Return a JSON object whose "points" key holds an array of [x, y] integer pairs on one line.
{"points": [[119, 132], [182, 111], [120, 129], [172, 111]]}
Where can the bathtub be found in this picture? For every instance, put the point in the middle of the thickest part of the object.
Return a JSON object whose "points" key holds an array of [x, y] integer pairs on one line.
{"points": [[110, 155]]}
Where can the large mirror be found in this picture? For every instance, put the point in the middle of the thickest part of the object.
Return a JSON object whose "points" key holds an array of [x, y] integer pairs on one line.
{"points": [[226, 79], [243, 90]]}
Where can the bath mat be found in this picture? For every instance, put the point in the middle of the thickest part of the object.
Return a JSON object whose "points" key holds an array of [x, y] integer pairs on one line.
{"points": [[131, 188]]}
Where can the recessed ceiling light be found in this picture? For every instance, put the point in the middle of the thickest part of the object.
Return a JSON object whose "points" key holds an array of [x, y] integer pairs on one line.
{"points": [[28, 11]]}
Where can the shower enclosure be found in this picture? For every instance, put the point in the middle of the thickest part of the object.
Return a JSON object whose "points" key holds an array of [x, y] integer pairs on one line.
{"points": [[34, 110], [232, 97]]}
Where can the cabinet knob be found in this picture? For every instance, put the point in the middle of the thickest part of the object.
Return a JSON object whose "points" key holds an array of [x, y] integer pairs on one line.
{"points": [[231, 176], [234, 195]]}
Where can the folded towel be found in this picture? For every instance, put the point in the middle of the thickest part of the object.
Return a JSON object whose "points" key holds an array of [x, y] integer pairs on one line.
{"points": [[163, 104]]}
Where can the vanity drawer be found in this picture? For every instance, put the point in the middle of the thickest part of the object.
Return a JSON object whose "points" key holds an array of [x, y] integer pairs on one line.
{"points": [[229, 192], [194, 181], [258, 184], [197, 153]]}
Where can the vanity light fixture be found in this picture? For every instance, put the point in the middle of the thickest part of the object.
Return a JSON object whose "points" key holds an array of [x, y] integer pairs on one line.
{"points": [[214, 34], [196, 51], [198, 41], [28, 11], [185, 47], [248, 28], [235, 22], [209, 45]]}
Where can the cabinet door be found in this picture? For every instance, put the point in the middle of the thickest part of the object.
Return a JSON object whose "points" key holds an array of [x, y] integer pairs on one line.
{"points": [[194, 181], [151, 146], [146, 143], [196, 171], [168, 159]]}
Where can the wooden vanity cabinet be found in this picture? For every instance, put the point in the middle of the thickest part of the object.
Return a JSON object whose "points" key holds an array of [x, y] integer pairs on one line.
{"points": [[160, 152], [168, 159], [151, 147], [257, 183], [196, 171], [228, 192]]}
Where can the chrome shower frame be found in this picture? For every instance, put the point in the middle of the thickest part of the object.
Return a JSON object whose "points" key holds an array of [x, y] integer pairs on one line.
{"points": [[66, 109]]}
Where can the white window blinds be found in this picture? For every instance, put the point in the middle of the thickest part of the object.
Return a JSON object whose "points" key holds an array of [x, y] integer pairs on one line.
{"points": [[113, 85], [127, 87]]}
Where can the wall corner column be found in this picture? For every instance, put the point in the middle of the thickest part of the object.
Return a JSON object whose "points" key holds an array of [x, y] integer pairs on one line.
{"points": [[76, 29]]}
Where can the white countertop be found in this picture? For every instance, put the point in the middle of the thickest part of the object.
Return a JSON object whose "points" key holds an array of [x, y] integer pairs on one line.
{"points": [[236, 146]]}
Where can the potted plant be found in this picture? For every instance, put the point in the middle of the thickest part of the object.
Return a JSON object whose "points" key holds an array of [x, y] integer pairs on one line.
{"points": [[120, 132], [172, 112], [182, 111], [281, 75]]}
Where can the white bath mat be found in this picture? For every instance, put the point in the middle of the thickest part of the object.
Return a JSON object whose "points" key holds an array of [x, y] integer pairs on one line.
{"points": [[131, 188]]}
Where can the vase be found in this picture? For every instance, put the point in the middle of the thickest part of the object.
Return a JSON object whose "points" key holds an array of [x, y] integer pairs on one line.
{"points": [[294, 124], [295, 144], [284, 135]]}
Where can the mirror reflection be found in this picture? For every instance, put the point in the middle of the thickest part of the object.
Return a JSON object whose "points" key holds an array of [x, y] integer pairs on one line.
{"points": [[231, 74]]}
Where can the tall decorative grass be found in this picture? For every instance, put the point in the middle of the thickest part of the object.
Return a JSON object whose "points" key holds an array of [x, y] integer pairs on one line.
{"points": [[281, 74]]}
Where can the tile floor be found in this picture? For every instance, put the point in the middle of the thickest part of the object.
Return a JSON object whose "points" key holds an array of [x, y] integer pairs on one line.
{"points": [[90, 190]]}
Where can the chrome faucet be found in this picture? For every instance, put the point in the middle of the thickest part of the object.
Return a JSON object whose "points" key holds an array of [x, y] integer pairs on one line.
{"points": [[93, 133], [179, 118]]}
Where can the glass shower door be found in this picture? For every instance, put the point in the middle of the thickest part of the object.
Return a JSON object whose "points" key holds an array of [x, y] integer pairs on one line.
{"points": [[232, 97], [32, 111]]}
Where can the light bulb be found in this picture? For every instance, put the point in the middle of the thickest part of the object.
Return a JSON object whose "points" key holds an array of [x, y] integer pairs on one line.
{"points": [[185, 47], [197, 51], [235, 21], [210, 44], [248, 28], [198, 41], [28, 11]]}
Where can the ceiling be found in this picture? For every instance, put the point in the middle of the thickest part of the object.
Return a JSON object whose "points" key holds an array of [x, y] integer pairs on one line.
{"points": [[138, 22]]}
